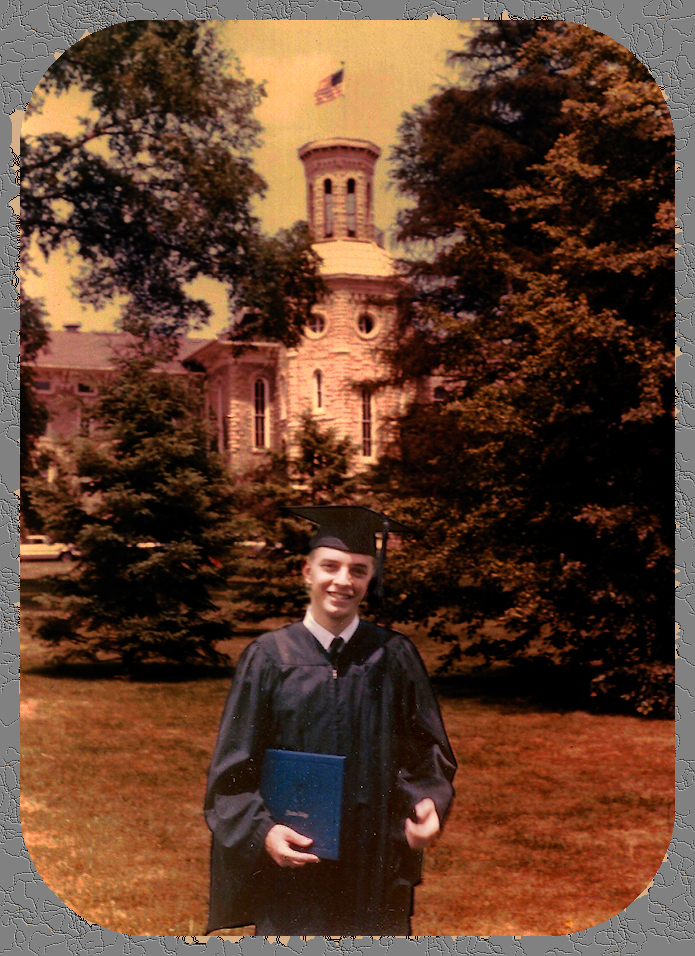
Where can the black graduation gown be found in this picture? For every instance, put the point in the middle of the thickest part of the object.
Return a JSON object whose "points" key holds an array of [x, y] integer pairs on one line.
{"points": [[380, 713]]}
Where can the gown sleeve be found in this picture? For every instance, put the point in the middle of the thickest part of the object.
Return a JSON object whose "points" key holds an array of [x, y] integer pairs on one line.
{"points": [[234, 809], [427, 764]]}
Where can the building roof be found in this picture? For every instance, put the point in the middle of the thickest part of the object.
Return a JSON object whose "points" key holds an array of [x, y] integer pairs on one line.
{"points": [[334, 142], [207, 350], [94, 351], [353, 258]]}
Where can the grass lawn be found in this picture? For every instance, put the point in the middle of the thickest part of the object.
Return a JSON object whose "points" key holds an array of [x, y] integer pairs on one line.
{"points": [[561, 818]]}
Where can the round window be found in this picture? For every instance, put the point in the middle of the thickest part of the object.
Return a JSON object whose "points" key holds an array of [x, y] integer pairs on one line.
{"points": [[366, 324], [316, 325]]}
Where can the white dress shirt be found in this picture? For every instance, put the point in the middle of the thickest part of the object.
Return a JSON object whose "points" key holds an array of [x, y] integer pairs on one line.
{"points": [[324, 636]]}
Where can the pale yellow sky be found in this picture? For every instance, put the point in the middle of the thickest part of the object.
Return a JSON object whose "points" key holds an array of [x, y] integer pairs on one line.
{"points": [[390, 66]]}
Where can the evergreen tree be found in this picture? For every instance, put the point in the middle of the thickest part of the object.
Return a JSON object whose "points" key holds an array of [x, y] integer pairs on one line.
{"points": [[269, 583], [154, 191], [153, 513], [546, 306]]}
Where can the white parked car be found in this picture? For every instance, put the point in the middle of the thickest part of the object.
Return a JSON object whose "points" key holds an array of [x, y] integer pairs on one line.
{"points": [[39, 547]]}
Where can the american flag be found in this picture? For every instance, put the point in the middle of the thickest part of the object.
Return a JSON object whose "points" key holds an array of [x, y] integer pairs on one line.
{"points": [[329, 88]]}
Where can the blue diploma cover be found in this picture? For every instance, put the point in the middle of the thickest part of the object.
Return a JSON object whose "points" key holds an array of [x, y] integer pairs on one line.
{"points": [[305, 791]]}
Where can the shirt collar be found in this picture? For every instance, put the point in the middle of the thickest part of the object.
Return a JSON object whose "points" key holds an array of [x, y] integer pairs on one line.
{"points": [[324, 636]]}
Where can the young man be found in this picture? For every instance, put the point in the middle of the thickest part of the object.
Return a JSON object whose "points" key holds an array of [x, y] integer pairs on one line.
{"points": [[366, 697]]}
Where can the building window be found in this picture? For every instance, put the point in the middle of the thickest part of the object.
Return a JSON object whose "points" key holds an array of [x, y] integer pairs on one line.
{"points": [[440, 394], [318, 389], [260, 426], [316, 325], [85, 423], [283, 399], [41, 385], [351, 215], [368, 213], [85, 389], [310, 203], [327, 208], [367, 442], [220, 417], [366, 324]]}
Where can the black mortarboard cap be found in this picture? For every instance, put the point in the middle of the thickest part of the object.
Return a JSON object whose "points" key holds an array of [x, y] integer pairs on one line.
{"points": [[352, 528]]}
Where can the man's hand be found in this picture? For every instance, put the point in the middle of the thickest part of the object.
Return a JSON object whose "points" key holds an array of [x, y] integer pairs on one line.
{"points": [[421, 833], [280, 842]]}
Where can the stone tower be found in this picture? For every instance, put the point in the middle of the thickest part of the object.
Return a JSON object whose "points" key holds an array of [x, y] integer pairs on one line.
{"points": [[339, 181], [259, 397], [333, 374]]}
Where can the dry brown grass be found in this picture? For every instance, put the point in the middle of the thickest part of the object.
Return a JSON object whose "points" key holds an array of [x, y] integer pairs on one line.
{"points": [[561, 819]]}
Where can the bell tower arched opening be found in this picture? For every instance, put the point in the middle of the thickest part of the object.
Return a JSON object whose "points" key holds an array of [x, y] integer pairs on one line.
{"points": [[340, 171]]}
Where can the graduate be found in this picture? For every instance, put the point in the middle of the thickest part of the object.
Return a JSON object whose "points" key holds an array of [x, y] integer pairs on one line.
{"points": [[330, 684]]}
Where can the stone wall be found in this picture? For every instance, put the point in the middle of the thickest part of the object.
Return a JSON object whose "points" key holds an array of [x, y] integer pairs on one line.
{"points": [[231, 397], [69, 398], [349, 360]]}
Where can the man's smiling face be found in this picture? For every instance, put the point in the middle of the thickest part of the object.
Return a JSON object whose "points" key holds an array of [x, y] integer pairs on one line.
{"points": [[337, 582]]}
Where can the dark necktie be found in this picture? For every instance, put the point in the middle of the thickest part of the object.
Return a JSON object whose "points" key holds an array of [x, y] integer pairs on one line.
{"points": [[334, 650]]}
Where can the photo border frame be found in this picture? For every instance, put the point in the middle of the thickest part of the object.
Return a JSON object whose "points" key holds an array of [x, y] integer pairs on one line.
{"points": [[659, 34]]}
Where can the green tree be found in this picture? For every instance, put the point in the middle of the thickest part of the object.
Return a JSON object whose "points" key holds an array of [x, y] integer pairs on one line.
{"points": [[546, 305], [282, 289], [154, 481], [34, 414], [269, 583], [155, 190]]}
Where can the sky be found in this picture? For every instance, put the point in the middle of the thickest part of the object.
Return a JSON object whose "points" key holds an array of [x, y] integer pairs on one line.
{"points": [[390, 67]]}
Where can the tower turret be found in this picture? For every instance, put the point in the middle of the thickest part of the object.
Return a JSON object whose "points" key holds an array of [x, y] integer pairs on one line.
{"points": [[340, 187]]}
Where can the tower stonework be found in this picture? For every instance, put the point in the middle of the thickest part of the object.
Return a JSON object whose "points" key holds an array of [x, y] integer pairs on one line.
{"points": [[335, 372], [340, 187], [260, 397]]}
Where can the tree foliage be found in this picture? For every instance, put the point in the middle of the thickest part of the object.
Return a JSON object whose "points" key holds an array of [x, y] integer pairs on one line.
{"points": [[155, 189], [544, 189], [282, 289], [269, 583], [151, 511], [33, 339]]}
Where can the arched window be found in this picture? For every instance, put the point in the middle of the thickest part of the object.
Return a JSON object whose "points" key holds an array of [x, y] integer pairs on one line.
{"points": [[283, 399], [439, 394], [367, 442], [260, 423], [310, 204], [318, 389], [351, 214], [368, 212], [327, 208]]}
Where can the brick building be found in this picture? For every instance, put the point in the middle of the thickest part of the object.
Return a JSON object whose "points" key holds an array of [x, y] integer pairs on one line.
{"points": [[71, 369], [258, 398]]}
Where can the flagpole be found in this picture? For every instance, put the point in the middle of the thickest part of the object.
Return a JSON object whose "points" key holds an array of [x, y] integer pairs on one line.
{"points": [[342, 67]]}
